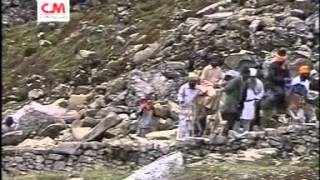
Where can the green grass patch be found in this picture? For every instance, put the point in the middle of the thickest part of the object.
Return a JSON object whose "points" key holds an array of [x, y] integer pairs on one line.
{"points": [[114, 174]]}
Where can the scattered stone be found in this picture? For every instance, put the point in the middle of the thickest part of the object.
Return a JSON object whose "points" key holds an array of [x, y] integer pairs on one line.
{"points": [[35, 94], [217, 16], [45, 43], [145, 54], [165, 168], [86, 54], [45, 142], [76, 102], [52, 130], [162, 135], [213, 7], [12, 138]]}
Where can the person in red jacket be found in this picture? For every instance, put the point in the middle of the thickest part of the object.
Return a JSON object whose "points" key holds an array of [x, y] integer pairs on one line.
{"points": [[146, 116]]}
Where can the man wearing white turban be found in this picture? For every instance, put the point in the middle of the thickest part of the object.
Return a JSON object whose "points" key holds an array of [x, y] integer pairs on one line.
{"points": [[253, 93]]}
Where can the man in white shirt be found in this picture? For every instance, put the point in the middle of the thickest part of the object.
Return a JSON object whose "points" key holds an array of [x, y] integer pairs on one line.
{"points": [[186, 94], [303, 77], [253, 92]]}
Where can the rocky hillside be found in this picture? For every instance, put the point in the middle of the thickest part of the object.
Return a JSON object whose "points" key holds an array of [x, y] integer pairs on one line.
{"points": [[136, 46]]}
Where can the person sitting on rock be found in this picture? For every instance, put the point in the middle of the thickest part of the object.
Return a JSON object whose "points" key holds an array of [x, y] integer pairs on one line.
{"points": [[146, 116], [186, 94], [8, 125], [252, 93]]}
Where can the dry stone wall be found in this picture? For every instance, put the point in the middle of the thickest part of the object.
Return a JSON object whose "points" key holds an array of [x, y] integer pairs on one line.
{"points": [[77, 156]]}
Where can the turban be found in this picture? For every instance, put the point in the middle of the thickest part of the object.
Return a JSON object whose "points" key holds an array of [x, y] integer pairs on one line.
{"points": [[253, 72], [192, 76]]}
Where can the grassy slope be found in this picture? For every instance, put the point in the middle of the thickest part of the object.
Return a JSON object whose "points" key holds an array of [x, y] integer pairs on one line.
{"points": [[58, 61]]}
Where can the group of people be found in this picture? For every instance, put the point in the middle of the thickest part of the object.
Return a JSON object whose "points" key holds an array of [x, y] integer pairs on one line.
{"points": [[246, 93]]}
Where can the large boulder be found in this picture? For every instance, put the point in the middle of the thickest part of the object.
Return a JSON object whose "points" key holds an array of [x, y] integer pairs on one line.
{"points": [[36, 117], [60, 91], [241, 59], [145, 54], [142, 83], [295, 23], [165, 168], [313, 22], [108, 122], [162, 111], [13, 138], [79, 132], [77, 102], [165, 124], [52, 130], [174, 110], [173, 70]]}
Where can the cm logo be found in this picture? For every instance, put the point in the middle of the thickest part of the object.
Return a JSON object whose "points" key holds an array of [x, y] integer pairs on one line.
{"points": [[53, 8]]}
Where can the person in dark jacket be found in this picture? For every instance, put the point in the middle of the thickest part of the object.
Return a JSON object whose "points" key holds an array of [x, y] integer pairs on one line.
{"points": [[231, 109], [278, 74]]}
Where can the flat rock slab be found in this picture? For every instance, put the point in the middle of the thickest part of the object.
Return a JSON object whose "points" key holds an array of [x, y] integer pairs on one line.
{"points": [[110, 121], [213, 7], [34, 143], [165, 168], [12, 138], [218, 16], [162, 135], [67, 148], [52, 130]]}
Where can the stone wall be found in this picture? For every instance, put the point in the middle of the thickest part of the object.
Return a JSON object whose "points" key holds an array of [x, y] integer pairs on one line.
{"points": [[75, 156]]}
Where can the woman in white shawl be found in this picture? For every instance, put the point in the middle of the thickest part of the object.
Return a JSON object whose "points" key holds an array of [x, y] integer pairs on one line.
{"points": [[254, 91]]}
